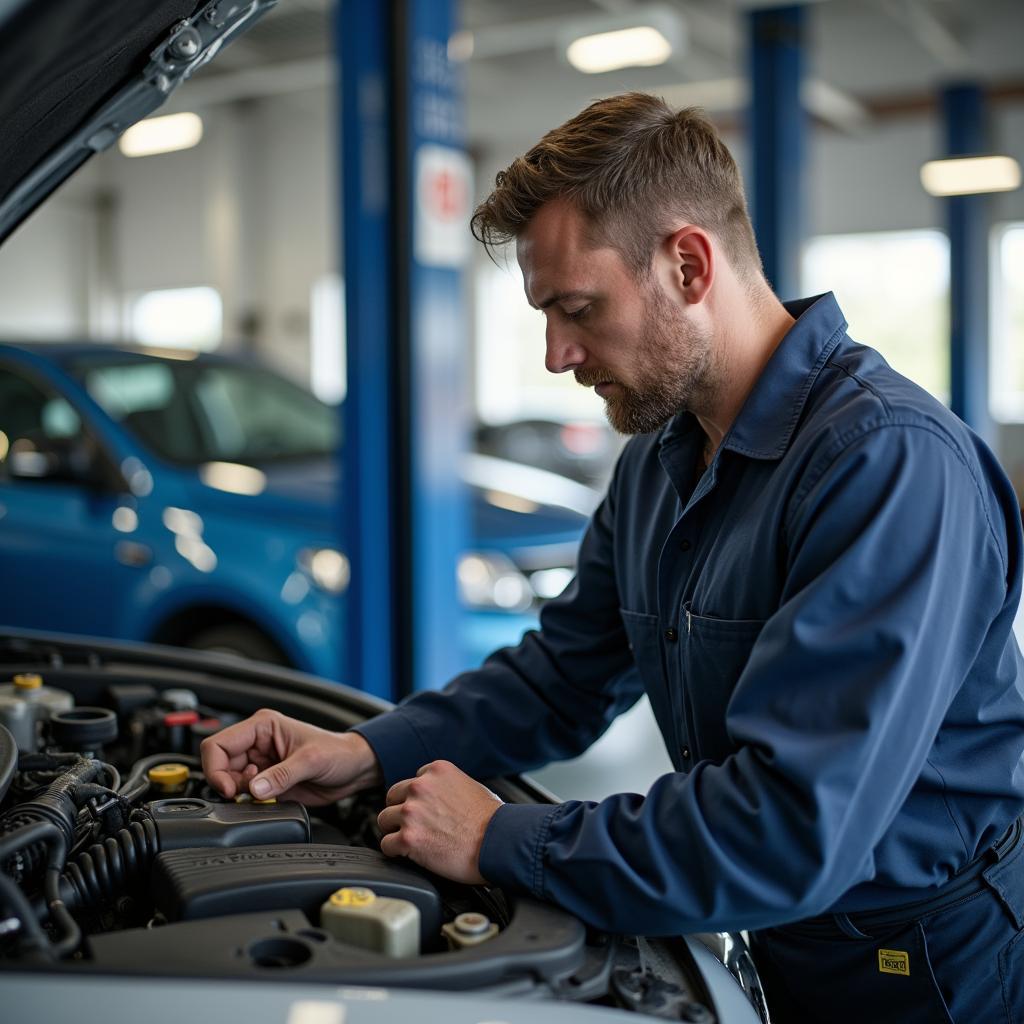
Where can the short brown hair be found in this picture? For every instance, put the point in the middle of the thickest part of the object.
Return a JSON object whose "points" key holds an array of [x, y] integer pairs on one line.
{"points": [[632, 165]]}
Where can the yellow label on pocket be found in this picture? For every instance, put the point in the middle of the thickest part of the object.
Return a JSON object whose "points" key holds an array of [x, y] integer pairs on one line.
{"points": [[894, 961]]}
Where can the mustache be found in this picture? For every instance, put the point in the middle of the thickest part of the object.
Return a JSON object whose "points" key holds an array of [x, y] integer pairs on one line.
{"points": [[593, 377]]}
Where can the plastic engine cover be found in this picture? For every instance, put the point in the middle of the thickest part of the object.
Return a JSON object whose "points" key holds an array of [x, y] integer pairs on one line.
{"points": [[202, 883]]}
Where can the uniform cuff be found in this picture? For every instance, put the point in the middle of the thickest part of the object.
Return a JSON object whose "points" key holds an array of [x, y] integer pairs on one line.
{"points": [[512, 853], [398, 746]]}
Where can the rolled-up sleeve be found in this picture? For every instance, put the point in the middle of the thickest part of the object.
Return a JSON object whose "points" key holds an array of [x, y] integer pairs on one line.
{"points": [[894, 575]]}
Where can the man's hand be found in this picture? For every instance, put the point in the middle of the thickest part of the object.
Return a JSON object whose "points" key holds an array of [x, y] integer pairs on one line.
{"points": [[438, 820], [271, 755]]}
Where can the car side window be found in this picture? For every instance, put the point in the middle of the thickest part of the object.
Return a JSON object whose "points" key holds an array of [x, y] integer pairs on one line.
{"points": [[30, 413]]}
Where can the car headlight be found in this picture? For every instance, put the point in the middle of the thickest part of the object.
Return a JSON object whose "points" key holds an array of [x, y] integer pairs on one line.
{"points": [[328, 568], [493, 581]]}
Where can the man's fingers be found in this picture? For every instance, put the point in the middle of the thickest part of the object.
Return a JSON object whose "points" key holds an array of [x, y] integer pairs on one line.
{"points": [[394, 845], [398, 792], [390, 819]]}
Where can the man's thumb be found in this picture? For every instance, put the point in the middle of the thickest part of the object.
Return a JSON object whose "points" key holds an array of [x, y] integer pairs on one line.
{"points": [[276, 779]]}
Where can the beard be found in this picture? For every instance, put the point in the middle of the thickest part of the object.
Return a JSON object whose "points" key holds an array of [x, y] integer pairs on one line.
{"points": [[673, 371]]}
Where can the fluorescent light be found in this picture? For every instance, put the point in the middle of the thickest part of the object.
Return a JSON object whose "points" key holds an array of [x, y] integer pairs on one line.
{"points": [[641, 36], [643, 46], [162, 135], [970, 175]]}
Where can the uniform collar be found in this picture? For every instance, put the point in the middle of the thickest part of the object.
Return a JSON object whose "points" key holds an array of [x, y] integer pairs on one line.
{"points": [[768, 417]]}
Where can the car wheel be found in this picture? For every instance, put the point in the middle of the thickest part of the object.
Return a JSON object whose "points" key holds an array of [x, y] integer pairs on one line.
{"points": [[240, 640]]}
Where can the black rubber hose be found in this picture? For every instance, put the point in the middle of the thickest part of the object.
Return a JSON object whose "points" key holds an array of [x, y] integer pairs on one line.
{"points": [[57, 803], [34, 937], [8, 759], [28, 838], [102, 873]]}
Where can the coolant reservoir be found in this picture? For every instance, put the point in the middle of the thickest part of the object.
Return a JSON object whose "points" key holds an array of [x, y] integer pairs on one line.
{"points": [[25, 702], [383, 924]]}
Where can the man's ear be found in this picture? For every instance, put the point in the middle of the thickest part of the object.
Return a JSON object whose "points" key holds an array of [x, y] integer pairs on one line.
{"points": [[690, 260]]}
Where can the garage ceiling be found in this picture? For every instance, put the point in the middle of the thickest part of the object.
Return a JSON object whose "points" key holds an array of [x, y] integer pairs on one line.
{"points": [[867, 59]]}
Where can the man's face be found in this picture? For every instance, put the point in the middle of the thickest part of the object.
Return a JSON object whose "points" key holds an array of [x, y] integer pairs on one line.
{"points": [[626, 338]]}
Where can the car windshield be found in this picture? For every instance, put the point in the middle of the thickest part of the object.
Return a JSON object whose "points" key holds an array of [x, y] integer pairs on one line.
{"points": [[191, 413]]}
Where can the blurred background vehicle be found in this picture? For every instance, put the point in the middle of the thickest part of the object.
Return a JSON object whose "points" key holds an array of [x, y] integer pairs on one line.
{"points": [[190, 499], [583, 450]]}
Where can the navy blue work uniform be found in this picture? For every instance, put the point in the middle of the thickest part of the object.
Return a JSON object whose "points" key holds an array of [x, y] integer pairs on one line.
{"points": [[823, 625]]}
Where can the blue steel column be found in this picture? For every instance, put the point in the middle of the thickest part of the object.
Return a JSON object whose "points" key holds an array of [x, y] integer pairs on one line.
{"points": [[776, 132], [406, 412], [371, 634], [435, 249], [963, 111]]}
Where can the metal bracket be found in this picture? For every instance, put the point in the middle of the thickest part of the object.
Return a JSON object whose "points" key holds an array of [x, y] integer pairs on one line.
{"points": [[189, 45]]}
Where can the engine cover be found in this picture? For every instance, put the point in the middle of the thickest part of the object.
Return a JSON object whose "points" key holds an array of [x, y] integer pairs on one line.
{"points": [[201, 883]]}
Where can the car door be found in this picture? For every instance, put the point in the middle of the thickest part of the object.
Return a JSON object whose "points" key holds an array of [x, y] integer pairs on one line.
{"points": [[59, 535]]}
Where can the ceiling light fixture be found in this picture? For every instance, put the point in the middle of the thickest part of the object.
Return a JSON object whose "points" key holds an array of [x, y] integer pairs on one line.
{"points": [[162, 135], [644, 37], [970, 175]]}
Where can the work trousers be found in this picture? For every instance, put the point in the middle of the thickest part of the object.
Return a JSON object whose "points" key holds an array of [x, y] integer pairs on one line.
{"points": [[954, 958]]}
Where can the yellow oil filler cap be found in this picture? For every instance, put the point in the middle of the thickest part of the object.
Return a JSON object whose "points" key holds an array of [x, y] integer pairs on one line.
{"points": [[353, 896], [28, 681], [383, 924], [169, 777]]}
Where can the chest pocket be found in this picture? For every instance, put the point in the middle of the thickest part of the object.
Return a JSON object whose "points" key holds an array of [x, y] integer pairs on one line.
{"points": [[645, 645], [714, 654]]}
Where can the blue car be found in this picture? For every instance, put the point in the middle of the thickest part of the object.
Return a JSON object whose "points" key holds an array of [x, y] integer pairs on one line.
{"points": [[189, 499]]}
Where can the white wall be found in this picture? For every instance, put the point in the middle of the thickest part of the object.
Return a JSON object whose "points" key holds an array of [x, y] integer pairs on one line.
{"points": [[48, 268]]}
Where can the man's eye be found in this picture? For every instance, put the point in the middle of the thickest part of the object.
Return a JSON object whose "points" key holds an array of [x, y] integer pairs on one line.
{"points": [[578, 314]]}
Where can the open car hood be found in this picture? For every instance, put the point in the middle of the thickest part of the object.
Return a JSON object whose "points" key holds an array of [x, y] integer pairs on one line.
{"points": [[228, 896], [75, 76]]}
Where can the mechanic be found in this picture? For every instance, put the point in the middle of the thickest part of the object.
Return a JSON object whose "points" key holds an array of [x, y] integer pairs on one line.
{"points": [[809, 565]]}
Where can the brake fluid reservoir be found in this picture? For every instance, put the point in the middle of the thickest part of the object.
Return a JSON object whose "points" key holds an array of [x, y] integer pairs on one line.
{"points": [[383, 924], [25, 702]]}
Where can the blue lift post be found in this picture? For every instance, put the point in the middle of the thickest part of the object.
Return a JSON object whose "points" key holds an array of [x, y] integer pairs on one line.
{"points": [[406, 192], [963, 114], [368, 525], [776, 132]]}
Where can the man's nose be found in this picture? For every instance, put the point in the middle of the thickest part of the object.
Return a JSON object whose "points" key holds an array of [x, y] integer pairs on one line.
{"points": [[562, 353]]}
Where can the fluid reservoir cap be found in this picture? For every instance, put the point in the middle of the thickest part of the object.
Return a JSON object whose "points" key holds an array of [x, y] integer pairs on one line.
{"points": [[353, 896], [168, 774], [472, 923], [28, 680]]}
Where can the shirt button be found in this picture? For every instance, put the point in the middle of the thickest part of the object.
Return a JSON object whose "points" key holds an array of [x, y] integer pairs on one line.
{"points": [[671, 635], [684, 545], [686, 753]]}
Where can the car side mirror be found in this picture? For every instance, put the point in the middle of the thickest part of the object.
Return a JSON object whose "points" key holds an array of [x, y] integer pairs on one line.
{"points": [[65, 459]]}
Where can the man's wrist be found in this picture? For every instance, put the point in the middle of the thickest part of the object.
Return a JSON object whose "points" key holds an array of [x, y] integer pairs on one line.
{"points": [[363, 758]]}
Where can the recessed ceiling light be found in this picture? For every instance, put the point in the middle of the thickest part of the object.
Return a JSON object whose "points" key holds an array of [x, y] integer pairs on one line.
{"points": [[162, 135], [639, 37], [971, 175], [643, 46]]}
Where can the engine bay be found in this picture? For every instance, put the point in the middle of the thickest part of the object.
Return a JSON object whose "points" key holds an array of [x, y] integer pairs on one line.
{"points": [[117, 857]]}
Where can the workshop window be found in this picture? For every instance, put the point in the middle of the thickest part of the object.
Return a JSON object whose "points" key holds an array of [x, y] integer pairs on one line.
{"points": [[893, 288], [186, 318], [1006, 327], [511, 381]]}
